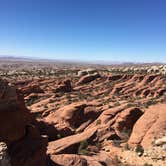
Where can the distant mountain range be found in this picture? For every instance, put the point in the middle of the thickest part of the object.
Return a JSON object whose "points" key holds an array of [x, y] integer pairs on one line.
{"points": [[32, 59]]}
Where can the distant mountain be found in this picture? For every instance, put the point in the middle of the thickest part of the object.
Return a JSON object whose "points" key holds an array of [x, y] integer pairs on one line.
{"points": [[97, 62], [14, 58]]}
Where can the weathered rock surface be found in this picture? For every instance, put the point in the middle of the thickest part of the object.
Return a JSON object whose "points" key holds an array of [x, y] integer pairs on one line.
{"points": [[82, 160], [70, 144], [65, 86], [31, 88], [88, 78], [86, 123], [25, 145], [68, 160], [70, 118], [13, 115], [149, 126]]}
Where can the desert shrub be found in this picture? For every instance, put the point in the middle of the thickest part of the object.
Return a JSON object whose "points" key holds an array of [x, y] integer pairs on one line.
{"points": [[98, 145], [150, 102], [126, 133], [59, 136], [51, 101], [146, 164], [46, 106], [117, 104], [82, 149], [31, 101], [98, 122], [117, 161], [139, 150], [83, 152]]}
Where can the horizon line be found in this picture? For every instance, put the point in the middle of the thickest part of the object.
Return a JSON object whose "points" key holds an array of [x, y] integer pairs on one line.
{"points": [[102, 62]]}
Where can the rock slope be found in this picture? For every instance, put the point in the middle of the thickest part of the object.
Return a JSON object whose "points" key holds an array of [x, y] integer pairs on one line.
{"points": [[94, 119]]}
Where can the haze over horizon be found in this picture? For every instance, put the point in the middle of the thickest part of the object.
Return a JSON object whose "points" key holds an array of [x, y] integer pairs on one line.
{"points": [[82, 30]]}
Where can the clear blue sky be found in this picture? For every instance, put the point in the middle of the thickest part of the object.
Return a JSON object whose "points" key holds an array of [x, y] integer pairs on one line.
{"points": [[88, 30]]}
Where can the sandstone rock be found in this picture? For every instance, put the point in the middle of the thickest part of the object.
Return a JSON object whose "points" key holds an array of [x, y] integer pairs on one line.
{"points": [[68, 160], [13, 115], [88, 78], [126, 120], [70, 144], [160, 141], [86, 72], [29, 151], [30, 88], [65, 120], [64, 87], [25, 145], [114, 77], [151, 124]]}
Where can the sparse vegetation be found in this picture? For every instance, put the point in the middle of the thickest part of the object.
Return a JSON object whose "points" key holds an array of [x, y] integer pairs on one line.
{"points": [[107, 101], [98, 122], [82, 149], [146, 164], [139, 150]]}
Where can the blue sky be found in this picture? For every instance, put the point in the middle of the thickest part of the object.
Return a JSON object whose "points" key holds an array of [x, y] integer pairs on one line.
{"points": [[85, 30]]}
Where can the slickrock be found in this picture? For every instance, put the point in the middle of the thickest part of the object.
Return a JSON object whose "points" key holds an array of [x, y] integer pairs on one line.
{"points": [[68, 160], [149, 126], [88, 78], [75, 116], [31, 88], [70, 144], [90, 119]]}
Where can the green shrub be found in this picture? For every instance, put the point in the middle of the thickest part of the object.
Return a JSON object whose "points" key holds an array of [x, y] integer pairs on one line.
{"points": [[139, 150], [82, 149], [98, 122]]}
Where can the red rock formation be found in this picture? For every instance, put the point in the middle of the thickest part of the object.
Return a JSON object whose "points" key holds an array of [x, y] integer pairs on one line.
{"points": [[115, 77], [150, 125], [74, 117], [65, 86], [31, 89], [70, 144], [68, 160], [88, 78], [25, 145]]}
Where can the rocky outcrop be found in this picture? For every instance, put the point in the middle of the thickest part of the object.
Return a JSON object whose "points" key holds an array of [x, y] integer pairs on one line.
{"points": [[70, 118], [149, 126], [88, 78], [31, 88], [65, 86], [115, 77], [82, 160], [70, 144], [88, 122], [13, 115], [68, 160], [25, 145]]}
